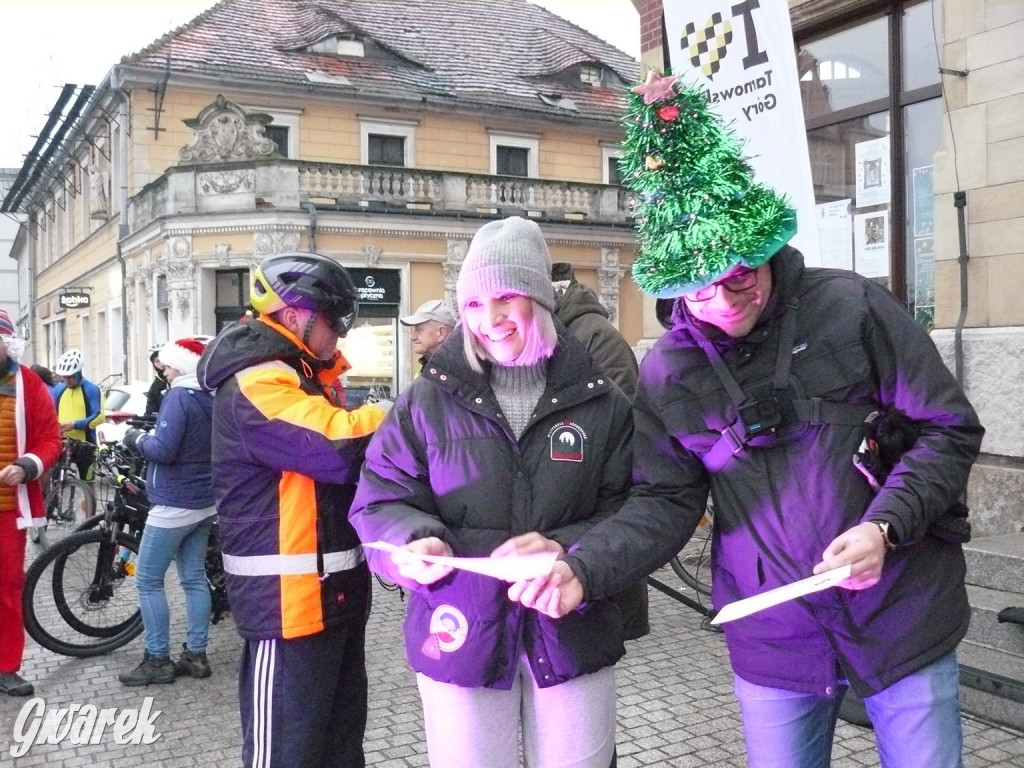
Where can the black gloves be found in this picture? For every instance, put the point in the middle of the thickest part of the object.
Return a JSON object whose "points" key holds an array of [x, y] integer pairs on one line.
{"points": [[131, 439]]}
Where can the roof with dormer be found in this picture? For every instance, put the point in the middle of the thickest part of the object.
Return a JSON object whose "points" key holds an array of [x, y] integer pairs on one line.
{"points": [[501, 54]]}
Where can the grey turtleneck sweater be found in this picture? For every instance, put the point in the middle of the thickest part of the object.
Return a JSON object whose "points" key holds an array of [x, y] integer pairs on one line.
{"points": [[518, 388]]}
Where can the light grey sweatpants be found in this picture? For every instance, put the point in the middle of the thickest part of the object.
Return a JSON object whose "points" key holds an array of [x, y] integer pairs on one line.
{"points": [[571, 725]]}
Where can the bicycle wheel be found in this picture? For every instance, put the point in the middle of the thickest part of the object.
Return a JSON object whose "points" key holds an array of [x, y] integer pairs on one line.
{"points": [[69, 503], [79, 599], [693, 563]]}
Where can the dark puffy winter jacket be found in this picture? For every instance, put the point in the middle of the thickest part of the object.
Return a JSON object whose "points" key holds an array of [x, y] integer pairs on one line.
{"points": [[778, 505], [445, 463], [579, 309]]}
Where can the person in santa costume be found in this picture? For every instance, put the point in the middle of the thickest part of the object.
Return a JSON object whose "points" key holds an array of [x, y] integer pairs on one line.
{"points": [[29, 445]]}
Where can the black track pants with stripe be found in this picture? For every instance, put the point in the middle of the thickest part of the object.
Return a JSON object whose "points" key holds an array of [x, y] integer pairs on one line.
{"points": [[303, 701]]}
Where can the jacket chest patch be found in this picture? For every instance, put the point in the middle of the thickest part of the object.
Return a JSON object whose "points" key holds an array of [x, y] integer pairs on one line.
{"points": [[566, 441], [448, 630]]}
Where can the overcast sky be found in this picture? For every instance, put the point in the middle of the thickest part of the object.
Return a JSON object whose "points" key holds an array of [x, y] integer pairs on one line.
{"points": [[47, 43]]}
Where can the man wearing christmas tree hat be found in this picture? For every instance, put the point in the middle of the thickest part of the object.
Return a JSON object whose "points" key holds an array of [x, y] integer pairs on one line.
{"points": [[758, 393]]}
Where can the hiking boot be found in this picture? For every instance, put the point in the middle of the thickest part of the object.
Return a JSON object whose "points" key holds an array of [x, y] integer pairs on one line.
{"points": [[14, 684], [192, 664], [152, 671]]}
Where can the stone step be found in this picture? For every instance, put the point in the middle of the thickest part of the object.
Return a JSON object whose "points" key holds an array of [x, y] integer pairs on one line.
{"points": [[996, 562], [986, 629], [992, 684]]}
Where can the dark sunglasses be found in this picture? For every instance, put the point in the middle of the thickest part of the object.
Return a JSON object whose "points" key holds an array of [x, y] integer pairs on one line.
{"points": [[738, 282]]}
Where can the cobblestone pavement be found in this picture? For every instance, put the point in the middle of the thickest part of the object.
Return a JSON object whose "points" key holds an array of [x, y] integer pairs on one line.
{"points": [[675, 708]]}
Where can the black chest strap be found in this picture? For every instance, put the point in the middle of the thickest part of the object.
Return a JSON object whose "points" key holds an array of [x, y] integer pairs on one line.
{"points": [[735, 437]]}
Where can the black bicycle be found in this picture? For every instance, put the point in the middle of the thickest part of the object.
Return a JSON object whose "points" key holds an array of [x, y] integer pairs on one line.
{"points": [[68, 500], [693, 562], [79, 598]]}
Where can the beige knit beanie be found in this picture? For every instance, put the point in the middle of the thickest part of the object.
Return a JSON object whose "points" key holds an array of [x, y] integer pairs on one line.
{"points": [[507, 255]]}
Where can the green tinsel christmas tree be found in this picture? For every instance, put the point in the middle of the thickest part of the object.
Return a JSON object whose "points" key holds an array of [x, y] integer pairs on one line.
{"points": [[698, 210]]}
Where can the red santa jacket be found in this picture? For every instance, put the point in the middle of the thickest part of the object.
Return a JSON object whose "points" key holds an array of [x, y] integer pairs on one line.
{"points": [[37, 440]]}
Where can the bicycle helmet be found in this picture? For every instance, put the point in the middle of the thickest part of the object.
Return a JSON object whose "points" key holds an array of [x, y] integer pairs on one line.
{"points": [[308, 281], [69, 364]]}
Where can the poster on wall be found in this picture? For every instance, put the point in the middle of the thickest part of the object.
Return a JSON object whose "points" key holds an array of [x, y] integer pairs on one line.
{"points": [[872, 166], [871, 244], [923, 201], [924, 281], [743, 56], [924, 271], [835, 233]]}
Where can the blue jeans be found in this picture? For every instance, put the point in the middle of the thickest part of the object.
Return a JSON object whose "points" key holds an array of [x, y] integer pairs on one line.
{"points": [[916, 721], [187, 547]]}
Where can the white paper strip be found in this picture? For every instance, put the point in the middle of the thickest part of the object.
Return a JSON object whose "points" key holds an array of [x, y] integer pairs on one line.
{"points": [[509, 568], [749, 605]]}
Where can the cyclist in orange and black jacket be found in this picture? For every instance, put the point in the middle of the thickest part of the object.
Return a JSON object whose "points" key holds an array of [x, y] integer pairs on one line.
{"points": [[286, 459]]}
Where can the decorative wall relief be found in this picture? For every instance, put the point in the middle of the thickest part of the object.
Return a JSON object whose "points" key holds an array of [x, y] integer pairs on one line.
{"points": [[179, 249], [271, 243], [224, 132], [609, 276], [372, 254], [223, 253], [99, 198], [226, 182], [456, 250], [131, 279], [180, 275]]}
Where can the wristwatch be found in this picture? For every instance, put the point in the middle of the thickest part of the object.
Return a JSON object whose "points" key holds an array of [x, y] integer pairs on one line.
{"points": [[887, 537]]}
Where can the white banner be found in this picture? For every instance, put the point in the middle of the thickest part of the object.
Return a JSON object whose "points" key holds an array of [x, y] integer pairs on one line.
{"points": [[742, 53]]}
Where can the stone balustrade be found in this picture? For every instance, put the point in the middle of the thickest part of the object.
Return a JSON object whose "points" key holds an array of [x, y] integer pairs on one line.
{"points": [[285, 184]]}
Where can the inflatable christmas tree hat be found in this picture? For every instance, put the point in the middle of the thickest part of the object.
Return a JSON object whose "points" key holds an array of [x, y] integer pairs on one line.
{"points": [[699, 212]]}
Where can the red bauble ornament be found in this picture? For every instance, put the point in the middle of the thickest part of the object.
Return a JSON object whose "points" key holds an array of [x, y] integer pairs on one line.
{"points": [[668, 113]]}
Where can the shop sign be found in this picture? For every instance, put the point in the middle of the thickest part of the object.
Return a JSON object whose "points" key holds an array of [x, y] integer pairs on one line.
{"points": [[74, 300], [377, 286]]}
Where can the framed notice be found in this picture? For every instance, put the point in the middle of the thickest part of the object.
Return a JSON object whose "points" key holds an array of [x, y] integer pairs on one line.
{"points": [[871, 244], [835, 233], [872, 172]]}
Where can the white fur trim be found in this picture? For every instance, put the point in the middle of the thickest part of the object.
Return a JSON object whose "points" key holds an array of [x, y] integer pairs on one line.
{"points": [[25, 519], [179, 358]]}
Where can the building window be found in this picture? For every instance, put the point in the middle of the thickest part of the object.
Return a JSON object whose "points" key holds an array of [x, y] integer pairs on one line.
{"points": [[387, 142], [514, 155], [338, 45], [283, 129], [232, 296], [871, 145], [512, 161], [590, 75], [279, 135], [56, 340], [385, 150], [162, 317], [610, 157]]}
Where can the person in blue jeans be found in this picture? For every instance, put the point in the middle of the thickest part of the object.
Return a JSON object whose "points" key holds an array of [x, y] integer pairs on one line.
{"points": [[180, 489], [758, 393]]}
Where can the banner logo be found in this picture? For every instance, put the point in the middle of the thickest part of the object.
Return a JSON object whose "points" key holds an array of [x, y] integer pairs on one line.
{"points": [[708, 47]]}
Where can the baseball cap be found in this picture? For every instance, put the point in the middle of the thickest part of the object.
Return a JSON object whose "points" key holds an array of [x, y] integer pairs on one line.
{"points": [[432, 310]]}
